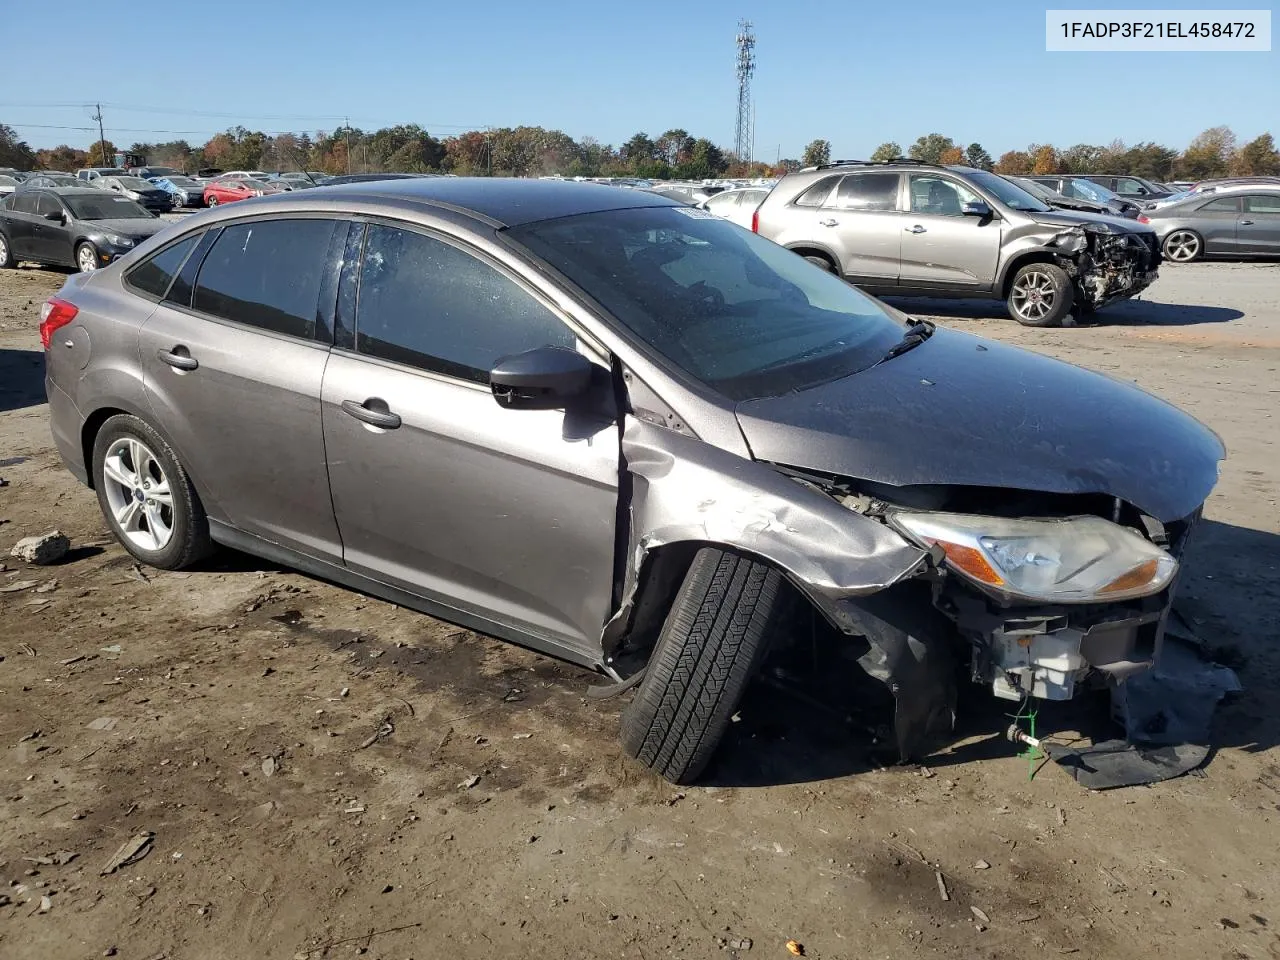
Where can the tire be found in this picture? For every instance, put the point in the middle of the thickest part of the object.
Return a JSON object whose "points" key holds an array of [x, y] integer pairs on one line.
{"points": [[1041, 295], [1182, 246], [6, 254], [86, 257], [820, 261], [212, 201], [714, 639], [127, 447]]}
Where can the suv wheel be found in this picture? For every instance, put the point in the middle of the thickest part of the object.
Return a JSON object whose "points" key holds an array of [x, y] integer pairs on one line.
{"points": [[714, 638], [146, 496], [1041, 295], [820, 261]]}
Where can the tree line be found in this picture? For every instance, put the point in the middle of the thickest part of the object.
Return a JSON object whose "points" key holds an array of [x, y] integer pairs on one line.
{"points": [[1213, 153], [536, 151]]}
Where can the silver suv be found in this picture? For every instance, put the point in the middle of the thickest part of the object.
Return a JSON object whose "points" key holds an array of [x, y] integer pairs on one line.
{"points": [[917, 229]]}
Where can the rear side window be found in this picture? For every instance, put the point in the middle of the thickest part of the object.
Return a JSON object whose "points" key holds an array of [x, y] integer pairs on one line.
{"points": [[816, 195], [266, 274], [153, 275], [1222, 205], [23, 201], [868, 191], [426, 303]]}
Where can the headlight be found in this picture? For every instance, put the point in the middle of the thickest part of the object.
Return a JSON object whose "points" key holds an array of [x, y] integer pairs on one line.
{"points": [[118, 241], [1069, 241], [1081, 560], [133, 194]]}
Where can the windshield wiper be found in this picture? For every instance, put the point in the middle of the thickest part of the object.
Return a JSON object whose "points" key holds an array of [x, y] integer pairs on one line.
{"points": [[916, 334]]}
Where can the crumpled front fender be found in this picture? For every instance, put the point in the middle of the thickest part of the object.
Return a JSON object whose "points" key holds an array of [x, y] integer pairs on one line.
{"points": [[686, 491]]}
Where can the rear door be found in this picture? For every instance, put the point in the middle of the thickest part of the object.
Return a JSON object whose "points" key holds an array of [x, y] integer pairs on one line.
{"points": [[506, 515], [1258, 229], [941, 247], [234, 358], [863, 213]]}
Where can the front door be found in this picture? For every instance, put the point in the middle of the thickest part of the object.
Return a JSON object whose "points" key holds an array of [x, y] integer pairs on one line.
{"points": [[1258, 229], [234, 374], [51, 239], [941, 247], [507, 515]]}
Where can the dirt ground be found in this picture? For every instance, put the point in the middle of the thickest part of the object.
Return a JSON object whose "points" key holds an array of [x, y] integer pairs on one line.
{"points": [[233, 713]]}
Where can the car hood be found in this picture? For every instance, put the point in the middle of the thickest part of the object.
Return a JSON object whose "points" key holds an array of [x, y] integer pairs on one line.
{"points": [[1068, 218], [959, 410], [130, 227]]}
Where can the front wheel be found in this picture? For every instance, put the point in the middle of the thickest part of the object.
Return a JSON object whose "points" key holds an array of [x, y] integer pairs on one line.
{"points": [[714, 639], [1041, 295], [86, 257], [1183, 246], [212, 201], [146, 496], [6, 254]]}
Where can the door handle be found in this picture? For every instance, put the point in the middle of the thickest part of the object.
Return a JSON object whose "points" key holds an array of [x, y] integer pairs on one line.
{"points": [[916, 229], [1246, 223], [375, 418], [179, 358], [828, 223]]}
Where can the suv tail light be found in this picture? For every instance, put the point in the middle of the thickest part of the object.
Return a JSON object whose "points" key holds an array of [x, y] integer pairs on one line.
{"points": [[755, 220], [1142, 219], [54, 315]]}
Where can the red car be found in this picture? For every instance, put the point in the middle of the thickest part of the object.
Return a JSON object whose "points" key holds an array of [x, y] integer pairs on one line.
{"points": [[237, 188]]}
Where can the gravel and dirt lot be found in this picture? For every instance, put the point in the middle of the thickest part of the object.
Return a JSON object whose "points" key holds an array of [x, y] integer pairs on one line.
{"points": [[321, 774]]}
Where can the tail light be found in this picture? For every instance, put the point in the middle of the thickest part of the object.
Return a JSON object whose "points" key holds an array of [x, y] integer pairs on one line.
{"points": [[755, 220], [54, 315], [1142, 219]]}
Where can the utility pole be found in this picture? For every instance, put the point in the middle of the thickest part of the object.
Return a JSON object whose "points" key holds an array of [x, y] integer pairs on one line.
{"points": [[102, 137], [347, 123]]}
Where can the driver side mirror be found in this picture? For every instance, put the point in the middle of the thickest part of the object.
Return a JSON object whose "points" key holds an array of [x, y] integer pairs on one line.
{"points": [[975, 208], [545, 378], [56, 216]]}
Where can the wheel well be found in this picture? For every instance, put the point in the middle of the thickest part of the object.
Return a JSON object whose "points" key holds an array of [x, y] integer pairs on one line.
{"points": [[815, 252], [1035, 256], [89, 433]]}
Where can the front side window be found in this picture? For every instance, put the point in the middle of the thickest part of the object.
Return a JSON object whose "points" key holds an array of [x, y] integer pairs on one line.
{"points": [[1129, 185], [47, 204], [939, 196], [868, 191], [1263, 203], [723, 203], [426, 303], [266, 274], [735, 311], [153, 275]]}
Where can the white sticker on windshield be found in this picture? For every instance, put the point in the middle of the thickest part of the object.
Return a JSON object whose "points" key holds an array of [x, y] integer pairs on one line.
{"points": [[696, 213], [122, 200]]}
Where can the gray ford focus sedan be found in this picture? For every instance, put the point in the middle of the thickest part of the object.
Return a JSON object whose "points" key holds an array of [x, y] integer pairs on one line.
{"points": [[627, 433]]}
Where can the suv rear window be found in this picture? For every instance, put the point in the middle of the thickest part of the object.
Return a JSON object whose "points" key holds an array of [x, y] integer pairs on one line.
{"points": [[153, 275], [817, 194], [267, 274]]}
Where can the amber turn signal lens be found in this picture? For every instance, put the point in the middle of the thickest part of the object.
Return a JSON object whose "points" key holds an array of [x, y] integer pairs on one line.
{"points": [[1139, 576], [970, 561]]}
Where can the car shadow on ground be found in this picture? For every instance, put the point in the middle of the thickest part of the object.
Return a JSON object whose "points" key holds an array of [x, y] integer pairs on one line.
{"points": [[836, 721], [1125, 313], [21, 379]]}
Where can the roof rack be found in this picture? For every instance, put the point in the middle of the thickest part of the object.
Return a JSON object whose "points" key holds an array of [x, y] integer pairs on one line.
{"points": [[875, 163]]}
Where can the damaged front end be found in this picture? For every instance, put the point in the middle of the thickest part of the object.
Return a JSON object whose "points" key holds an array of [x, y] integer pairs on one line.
{"points": [[1106, 264]]}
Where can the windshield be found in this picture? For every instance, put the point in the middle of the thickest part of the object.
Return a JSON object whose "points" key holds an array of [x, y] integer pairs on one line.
{"points": [[1008, 193], [182, 182], [105, 207], [134, 183], [1037, 190], [1092, 191], [735, 311]]}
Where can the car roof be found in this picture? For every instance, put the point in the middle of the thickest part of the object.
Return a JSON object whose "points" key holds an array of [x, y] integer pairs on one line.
{"points": [[505, 201]]}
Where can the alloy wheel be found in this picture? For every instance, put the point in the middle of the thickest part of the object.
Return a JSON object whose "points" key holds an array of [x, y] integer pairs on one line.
{"points": [[1182, 246], [86, 258], [1033, 295], [138, 494], [4, 251]]}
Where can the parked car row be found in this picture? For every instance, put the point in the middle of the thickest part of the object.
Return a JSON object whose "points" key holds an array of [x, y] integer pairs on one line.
{"points": [[1232, 220], [81, 227]]}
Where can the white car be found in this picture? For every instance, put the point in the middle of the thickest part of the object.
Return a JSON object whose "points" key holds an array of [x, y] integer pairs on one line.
{"points": [[736, 205]]}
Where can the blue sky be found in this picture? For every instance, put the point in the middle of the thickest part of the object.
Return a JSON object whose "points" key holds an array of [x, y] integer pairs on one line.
{"points": [[856, 73]]}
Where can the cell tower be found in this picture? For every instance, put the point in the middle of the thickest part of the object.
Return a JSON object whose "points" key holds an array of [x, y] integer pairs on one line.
{"points": [[746, 40]]}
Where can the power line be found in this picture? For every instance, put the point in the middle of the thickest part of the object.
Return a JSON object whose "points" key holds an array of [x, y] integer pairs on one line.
{"points": [[215, 115]]}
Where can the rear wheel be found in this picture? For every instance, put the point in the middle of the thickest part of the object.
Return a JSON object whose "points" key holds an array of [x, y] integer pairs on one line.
{"points": [[6, 254], [818, 260], [146, 496], [1183, 246], [86, 257], [714, 639], [1041, 295]]}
